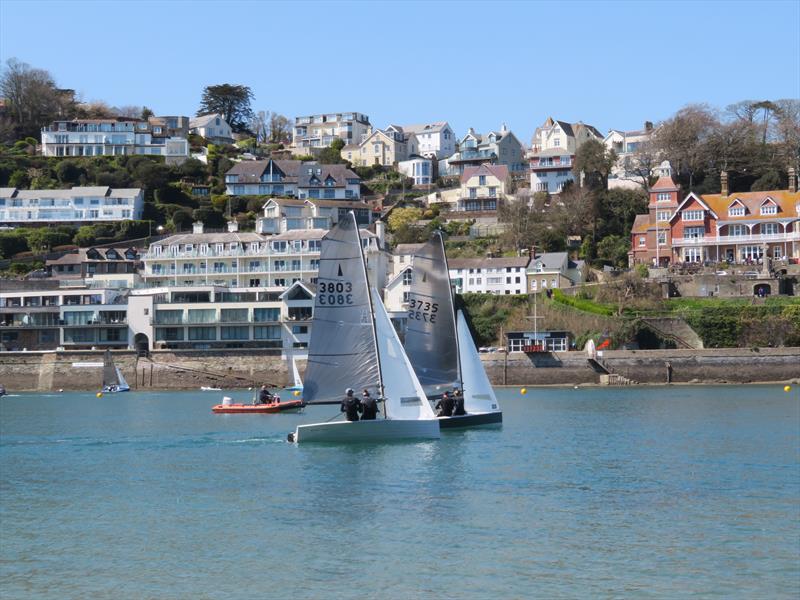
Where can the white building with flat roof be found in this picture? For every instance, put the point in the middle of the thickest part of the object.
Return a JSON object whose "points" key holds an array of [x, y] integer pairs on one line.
{"points": [[319, 131], [74, 206]]}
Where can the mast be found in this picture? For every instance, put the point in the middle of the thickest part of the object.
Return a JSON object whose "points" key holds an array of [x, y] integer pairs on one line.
{"points": [[371, 313], [452, 309]]}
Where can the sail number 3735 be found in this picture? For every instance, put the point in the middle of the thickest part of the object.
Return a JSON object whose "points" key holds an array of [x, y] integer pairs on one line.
{"points": [[335, 293], [421, 310]]}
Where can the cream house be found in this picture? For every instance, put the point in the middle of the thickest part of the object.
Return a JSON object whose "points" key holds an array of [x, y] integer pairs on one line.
{"points": [[384, 147]]}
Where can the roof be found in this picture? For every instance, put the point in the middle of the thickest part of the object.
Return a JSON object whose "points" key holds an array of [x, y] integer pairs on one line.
{"points": [[7, 192], [787, 204], [499, 171], [488, 263], [227, 237], [664, 183], [75, 258], [641, 223], [338, 203], [434, 127], [551, 261], [74, 192], [406, 249], [250, 171], [204, 120], [340, 174], [312, 234]]}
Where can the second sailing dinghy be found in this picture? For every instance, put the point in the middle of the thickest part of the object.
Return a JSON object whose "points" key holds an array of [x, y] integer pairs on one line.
{"points": [[440, 346], [354, 345], [113, 380]]}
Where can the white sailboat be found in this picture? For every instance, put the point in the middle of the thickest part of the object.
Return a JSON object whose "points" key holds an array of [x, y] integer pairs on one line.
{"points": [[440, 346], [297, 383], [354, 345], [113, 380]]}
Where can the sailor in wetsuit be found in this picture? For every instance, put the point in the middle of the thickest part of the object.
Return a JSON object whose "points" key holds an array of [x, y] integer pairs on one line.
{"points": [[444, 406], [369, 407], [350, 406], [458, 402], [264, 397]]}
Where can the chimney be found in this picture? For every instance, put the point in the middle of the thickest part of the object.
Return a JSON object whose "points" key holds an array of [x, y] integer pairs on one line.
{"points": [[648, 126], [380, 231], [471, 131], [197, 227], [792, 180], [723, 181], [503, 128], [233, 226]]}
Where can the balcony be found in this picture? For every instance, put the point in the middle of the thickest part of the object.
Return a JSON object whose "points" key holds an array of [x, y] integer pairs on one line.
{"points": [[731, 240], [470, 155]]}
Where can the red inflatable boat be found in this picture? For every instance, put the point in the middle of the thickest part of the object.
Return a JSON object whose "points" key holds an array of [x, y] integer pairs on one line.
{"points": [[275, 407]]}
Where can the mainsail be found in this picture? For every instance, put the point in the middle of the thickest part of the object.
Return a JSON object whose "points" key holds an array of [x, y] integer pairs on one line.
{"points": [[405, 398], [109, 370], [431, 334], [342, 350], [478, 393]]}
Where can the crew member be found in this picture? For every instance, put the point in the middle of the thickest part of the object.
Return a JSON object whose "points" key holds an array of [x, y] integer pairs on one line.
{"points": [[458, 401], [445, 406], [264, 397], [369, 407], [350, 405]]}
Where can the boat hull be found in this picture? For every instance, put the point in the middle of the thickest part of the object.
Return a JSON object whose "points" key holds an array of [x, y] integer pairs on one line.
{"points": [[471, 420], [293, 405], [379, 430], [118, 391]]}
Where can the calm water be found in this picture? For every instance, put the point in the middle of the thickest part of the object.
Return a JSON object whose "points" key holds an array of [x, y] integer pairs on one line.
{"points": [[637, 492]]}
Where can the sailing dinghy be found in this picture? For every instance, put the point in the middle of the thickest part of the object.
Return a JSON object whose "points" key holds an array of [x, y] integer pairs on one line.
{"points": [[354, 345], [113, 380], [440, 346], [297, 385]]}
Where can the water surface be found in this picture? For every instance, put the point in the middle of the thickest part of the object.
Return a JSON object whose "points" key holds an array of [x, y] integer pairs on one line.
{"points": [[634, 492]]}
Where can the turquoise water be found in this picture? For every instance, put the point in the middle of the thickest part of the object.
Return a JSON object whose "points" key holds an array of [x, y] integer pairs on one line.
{"points": [[635, 492]]}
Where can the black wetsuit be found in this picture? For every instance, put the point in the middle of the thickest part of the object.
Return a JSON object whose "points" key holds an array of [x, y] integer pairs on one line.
{"points": [[445, 407], [459, 406], [369, 408], [264, 397], [350, 406]]}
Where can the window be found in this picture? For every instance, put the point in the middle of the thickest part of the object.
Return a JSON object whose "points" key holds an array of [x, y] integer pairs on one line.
{"points": [[266, 315], [202, 333], [769, 209], [769, 228], [642, 241], [736, 210], [663, 215], [473, 192], [202, 315], [234, 315], [737, 230], [693, 233], [299, 328], [407, 276], [692, 215], [663, 197], [662, 238], [692, 255], [267, 332], [240, 332], [482, 180]]}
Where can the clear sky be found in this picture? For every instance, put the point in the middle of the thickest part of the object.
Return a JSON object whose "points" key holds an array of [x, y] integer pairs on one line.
{"points": [[611, 64]]}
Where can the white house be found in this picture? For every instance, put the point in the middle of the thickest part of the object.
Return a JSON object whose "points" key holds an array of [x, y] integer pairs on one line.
{"points": [[434, 140], [77, 205], [289, 214], [553, 151], [319, 131], [489, 275], [121, 136], [496, 147], [627, 172], [418, 168], [213, 127]]}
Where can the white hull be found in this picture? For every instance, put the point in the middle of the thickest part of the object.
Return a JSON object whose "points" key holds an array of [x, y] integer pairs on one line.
{"points": [[379, 430]]}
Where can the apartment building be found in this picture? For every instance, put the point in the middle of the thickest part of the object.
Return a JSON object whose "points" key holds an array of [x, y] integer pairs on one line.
{"points": [[287, 214], [629, 172], [48, 317], [292, 178], [246, 260], [434, 140], [736, 227], [319, 131], [78, 205], [212, 127], [553, 151], [496, 147], [489, 275], [382, 147], [120, 136]]}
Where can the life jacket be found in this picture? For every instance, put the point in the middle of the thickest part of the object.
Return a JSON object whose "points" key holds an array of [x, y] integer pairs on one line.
{"points": [[369, 408], [350, 407]]}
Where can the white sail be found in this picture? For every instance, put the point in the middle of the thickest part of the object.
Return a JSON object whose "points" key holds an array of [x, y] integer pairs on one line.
{"points": [[122, 384], [341, 352], [430, 340], [405, 398], [109, 370], [298, 383], [478, 393]]}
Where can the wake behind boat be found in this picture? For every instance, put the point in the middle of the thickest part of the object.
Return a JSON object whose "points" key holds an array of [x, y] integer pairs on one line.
{"points": [[113, 380], [354, 345], [440, 346]]}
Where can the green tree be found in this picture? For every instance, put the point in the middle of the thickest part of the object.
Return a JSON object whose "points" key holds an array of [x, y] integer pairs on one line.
{"points": [[594, 162], [209, 217], [402, 217], [613, 249], [85, 236], [182, 219], [229, 100], [333, 154], [69, 173], [31, 98]]}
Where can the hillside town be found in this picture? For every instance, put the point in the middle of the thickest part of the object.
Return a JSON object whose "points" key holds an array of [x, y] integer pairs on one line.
{"points": [[122, 229]]}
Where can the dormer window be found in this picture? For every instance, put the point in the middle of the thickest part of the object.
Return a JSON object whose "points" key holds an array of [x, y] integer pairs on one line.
{"points": [[736, 211], [769, 207]]}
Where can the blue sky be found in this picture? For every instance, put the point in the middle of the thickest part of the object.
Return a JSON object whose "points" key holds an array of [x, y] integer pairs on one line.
{"points": [[611, 64]]}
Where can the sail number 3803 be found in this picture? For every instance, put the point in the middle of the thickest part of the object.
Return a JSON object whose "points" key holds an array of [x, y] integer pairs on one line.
{"points": [[335, 293], [421, 310]]}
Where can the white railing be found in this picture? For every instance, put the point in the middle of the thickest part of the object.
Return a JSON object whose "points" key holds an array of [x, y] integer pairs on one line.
{"points": [[726, 240]]}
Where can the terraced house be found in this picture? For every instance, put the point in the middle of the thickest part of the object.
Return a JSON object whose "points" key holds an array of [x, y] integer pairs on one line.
{"points": [[292, 178]]}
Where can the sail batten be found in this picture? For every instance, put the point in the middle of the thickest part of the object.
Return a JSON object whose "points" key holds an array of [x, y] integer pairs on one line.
{"points": [[431, 333]]}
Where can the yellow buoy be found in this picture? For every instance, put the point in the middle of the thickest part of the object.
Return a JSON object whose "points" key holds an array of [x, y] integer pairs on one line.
{"points": [[787, 388], [99, 394], [297, 392], [523, 391]]}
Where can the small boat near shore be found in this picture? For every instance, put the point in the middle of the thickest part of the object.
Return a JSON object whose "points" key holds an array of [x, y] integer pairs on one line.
{"points": [[275, 407], [206, 388], [113, 380]]}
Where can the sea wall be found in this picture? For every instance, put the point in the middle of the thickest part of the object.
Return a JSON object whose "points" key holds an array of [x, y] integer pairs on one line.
{"points": [[191, 369]]}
